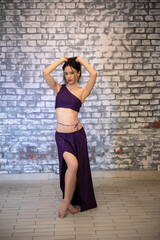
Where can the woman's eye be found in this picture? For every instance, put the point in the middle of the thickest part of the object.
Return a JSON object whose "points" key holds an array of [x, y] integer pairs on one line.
{"points": [[69, 73]]}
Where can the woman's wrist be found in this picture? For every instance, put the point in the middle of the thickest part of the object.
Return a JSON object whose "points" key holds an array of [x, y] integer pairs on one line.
{"points": [[63, 59], [79, 59]]}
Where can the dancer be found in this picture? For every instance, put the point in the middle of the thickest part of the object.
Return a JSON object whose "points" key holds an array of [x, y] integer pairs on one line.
{"points": [[75, 174]]}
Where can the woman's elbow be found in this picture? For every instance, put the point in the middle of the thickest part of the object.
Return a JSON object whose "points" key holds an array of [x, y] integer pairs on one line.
{"points": [[44, 72], [94, 74]]}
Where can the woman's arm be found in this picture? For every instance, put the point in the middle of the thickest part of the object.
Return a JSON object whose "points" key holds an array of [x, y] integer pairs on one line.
{"points": [[93, 76], [49, 79]]}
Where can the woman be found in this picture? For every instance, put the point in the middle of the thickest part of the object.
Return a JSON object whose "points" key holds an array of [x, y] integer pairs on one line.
{"points": [[75, 175]]}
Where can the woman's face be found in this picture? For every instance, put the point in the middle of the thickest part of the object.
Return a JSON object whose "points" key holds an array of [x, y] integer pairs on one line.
{"points": [[71, 75]]}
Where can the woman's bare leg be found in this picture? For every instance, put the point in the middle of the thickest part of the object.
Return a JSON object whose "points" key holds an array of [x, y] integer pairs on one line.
{"points": [[71, 208], [70, 182]]}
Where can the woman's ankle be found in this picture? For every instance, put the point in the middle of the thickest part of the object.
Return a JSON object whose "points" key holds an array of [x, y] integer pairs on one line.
{"points": [[66, 201]]}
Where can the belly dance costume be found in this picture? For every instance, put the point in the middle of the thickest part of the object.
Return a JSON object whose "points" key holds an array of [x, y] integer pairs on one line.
{"points": [[76, 144]]}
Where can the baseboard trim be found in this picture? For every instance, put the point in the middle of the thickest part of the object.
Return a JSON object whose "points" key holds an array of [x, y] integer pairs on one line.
{"points": [[149, 175]]}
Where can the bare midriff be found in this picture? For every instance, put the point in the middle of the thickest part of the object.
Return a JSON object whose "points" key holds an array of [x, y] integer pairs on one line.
{"points": [[67, 120]]}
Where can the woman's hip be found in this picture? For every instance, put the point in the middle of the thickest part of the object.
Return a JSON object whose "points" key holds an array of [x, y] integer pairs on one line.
{"points": [[68, 128]]}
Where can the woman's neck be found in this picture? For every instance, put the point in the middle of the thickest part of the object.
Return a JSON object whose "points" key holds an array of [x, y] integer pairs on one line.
{"points": [[72, 86]]}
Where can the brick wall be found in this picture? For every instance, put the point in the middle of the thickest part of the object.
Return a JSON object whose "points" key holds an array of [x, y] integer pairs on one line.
{"points": [[121, 40]]}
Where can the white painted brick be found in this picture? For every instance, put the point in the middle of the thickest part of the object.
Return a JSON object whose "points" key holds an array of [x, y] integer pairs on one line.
{"points": [[41, 5], [30, 12], [60, 18], [12, 121], [3, 115], [31, 24], [22, 104], [33, 85], [115, 114], [144, 96], [31, 30]]}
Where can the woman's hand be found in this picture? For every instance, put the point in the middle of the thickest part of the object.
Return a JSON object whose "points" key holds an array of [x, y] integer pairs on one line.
{"points": [[64, 59], [78, 59]]}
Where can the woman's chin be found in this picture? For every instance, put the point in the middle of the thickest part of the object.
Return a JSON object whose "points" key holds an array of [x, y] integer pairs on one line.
{"points": [[70, 82]]}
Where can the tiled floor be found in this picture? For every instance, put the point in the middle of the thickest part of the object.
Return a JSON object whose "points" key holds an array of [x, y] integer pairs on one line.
{"points": [[128, 209]]}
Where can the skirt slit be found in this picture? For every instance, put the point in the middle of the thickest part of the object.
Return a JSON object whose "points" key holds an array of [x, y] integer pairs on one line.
{"points": [[76, 144]]}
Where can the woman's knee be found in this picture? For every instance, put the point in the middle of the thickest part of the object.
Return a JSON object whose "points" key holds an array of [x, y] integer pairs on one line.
{"points": [[71, 161], [73, 167]]}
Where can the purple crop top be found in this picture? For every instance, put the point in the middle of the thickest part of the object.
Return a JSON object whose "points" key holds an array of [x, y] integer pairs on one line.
{"points": [[65, 99]]}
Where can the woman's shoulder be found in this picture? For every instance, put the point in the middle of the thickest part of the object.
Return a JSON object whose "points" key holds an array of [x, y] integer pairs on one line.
{"points": [[81, 89], [60, 86]]}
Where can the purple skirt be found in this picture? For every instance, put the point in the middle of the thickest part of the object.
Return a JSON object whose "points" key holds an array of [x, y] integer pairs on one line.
{"points": [[76, 143]]}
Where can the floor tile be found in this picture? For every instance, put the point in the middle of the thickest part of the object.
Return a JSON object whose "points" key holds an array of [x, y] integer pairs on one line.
{"points": [[128, 209]]}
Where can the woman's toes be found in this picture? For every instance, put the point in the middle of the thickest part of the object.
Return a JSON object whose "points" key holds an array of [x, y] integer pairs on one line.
{"points": [[62, 211], [73, 209]]}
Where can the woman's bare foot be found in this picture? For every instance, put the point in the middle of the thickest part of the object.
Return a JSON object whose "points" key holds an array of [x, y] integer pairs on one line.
{"points": [[73, 209], [62, 211]]}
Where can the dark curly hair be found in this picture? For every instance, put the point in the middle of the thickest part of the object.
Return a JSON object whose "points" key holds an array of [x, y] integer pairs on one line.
{"points": [[73, 64]]}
